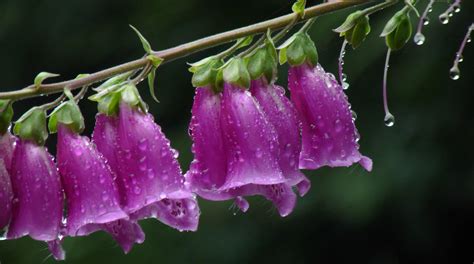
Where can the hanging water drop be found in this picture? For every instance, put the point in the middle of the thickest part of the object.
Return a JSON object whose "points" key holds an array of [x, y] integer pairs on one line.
{"points": [[344, 77], [459, 58], [454, 73], [419, 38], [426, 21], [389, 120], [457, 8], [354, 115], [444, 19]]}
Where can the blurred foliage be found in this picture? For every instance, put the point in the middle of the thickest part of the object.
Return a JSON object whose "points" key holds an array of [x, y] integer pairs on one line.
{"points": [[417, 204]]}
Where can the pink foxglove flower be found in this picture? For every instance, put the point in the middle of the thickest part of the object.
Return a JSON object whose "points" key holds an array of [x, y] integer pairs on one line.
{"points": [[38, 196], [235, 150], [148, 175], [7, 145], [328, 130]]}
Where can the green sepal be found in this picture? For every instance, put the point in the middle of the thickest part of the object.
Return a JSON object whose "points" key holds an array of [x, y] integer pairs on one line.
{"points": [[109, 104], [359, 32], [156, 62], [263, 62], [145, 43], [6, 115], [393, 23], [32, 126], [235, 72], [298, 49], [298, 7], [69, 114], [349, 23], [116, 80], [244, 41], [43, 76], [205, 71], [396, 39], [130, 95]]}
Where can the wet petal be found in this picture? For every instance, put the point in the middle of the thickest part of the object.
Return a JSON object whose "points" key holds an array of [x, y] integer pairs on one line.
{"points": [[56, 249], [126, 233], [281, 113], [208, 170], [250, 141], [7, 145], [38, 197], [329, 133], [92, 196], [6, 196]]}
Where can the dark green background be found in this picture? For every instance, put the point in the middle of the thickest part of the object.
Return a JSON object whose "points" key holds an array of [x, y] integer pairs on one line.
{"points": [[416, 205]]}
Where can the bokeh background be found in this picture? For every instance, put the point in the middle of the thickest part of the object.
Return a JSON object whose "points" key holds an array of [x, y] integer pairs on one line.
{"points": [[416, 206]]}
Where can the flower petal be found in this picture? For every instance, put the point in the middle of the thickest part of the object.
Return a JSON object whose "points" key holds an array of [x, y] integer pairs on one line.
{"points": [[7, 145], [250, 141], [38, 197], [126, 233], [92, 197], [281, 113], [56, 249], [6, 196], [329, 133]]}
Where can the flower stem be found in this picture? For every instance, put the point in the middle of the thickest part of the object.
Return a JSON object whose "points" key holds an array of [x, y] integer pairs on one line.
{"points": [[179, 51]]}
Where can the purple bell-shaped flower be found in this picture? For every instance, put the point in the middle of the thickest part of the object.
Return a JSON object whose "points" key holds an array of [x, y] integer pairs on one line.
{"points": [[328, 130], [148, 175]]}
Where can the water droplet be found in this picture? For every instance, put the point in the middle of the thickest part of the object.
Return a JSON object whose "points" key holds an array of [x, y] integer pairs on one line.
{"points": [[454, 73], [137, 190], [419, 38], [344, 77], [430, 10], [460, 58], [345, 85], [450, 14], [457, 8], [444, 19], [142, 145], [468, 40], [426, 21], [77, 152], [354, 115], [389, 120]]}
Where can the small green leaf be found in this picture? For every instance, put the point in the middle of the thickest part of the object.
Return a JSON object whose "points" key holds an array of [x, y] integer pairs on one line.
{"points": [[244, 42], [6, 115], [32, 126], [145, 43], [43, 76], [298, 7], [117, 79]]}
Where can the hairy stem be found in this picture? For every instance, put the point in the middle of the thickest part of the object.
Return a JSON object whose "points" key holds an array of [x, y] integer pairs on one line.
{"points": [[180, 51]]}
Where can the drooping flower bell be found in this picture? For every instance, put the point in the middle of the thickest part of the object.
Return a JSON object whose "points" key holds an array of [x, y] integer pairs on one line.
{"points": [[235, 147], [92, 196], [148, 175], [6, 196], [7, 145], [38, 196], [329, 135]]}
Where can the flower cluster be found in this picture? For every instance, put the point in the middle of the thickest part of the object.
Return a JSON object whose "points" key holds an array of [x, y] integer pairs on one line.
{"points": [[249, 139]]}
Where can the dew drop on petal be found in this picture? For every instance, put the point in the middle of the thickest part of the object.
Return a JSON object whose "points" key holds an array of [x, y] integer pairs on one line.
{"points": [[444, 19]]}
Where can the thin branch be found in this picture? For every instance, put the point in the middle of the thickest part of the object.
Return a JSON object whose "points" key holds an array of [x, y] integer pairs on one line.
{"points": [[181, 50]]}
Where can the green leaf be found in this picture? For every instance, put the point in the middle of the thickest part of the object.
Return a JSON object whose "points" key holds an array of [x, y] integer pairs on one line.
{"points": [[349, 23], [32, 126], [145, 43], [43, 76], [298, 7], [6, 115], [244, 42], [401, 35]]}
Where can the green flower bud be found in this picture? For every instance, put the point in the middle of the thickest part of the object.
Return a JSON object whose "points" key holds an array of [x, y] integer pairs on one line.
{"points": [[263, 62], [32, 126], [235, 72], [298, 49], [205, 71], [399, 36], [69, 114], [355, 28]]}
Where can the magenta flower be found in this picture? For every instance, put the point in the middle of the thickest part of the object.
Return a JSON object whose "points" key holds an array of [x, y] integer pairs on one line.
{"points": [[281, 113], [7, 144], [38, 197], [91, 194], [235, 150], [148, 174], [329, 133]]}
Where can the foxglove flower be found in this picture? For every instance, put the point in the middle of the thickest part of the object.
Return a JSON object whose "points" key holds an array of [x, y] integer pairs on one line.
{"points": [[148, 175], [6, 196], [38, 197], [235, 150], [93, 202], [7, 145], [328, 130], [281, 113]]}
